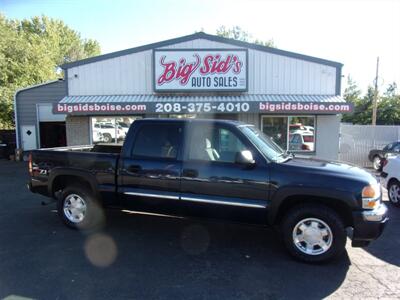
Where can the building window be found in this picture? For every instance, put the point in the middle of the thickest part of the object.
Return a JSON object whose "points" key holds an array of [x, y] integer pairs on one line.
{"points": [[293, 133], [111, 129]]}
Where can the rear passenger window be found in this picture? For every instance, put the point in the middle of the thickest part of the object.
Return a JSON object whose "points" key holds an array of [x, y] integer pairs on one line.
{"points": [[157, 141]]}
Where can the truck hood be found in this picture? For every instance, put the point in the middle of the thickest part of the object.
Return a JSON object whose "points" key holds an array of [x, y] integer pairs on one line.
{"points": [[330, 168]]}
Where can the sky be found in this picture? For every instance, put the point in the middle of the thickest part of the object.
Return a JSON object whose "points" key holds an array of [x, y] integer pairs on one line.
{"points": [[352, 32]]}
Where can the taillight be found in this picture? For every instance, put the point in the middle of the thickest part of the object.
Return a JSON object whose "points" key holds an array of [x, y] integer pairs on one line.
{"points": [[30, 164], [305, 147], [384, 162]]}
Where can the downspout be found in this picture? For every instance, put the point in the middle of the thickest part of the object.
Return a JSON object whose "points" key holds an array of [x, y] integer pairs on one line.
{"points": [[16, 118]]}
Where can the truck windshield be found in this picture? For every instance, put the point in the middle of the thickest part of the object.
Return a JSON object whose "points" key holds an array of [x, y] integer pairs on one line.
{"points": [[264, 144]]}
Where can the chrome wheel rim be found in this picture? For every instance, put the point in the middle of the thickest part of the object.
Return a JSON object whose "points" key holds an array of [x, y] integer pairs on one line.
{"points": [[74, 208], [377, 163], [394, 193], [312, 236]]}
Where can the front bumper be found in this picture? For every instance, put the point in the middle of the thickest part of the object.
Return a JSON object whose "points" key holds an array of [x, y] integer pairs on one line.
{"points": [[369, 225]]}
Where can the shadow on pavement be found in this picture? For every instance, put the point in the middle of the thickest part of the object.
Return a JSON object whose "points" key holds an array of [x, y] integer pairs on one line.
{"points": [[387, 246]]}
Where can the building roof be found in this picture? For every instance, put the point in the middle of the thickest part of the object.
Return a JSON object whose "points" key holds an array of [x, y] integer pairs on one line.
{"points": [[202, 35], [197, 98]]}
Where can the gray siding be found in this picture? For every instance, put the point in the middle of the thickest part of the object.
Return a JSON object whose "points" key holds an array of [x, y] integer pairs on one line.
{"points": [[26, 101], [78, 131], [268, 73]]}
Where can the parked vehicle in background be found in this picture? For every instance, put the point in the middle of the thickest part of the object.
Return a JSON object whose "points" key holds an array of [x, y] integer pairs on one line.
{"points": [[124, 127], [391, 178], [214, 169], [301, 140], [109, 132], [376, 155], [309, 128]]}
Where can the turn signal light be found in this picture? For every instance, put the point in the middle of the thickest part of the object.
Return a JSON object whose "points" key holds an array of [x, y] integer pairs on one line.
{"points": [[368, 192], [371, 196]]}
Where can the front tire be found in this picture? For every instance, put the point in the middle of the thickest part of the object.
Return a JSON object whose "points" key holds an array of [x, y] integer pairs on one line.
{"points": [[107, 138], [78, 208], [394, 192], [313, 233]]}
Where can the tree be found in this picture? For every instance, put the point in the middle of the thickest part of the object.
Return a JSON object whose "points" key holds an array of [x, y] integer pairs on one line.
{"points": [[352, 92], [30, 51], [391, 90], [237, 33], [388, 112], [351, 95]]}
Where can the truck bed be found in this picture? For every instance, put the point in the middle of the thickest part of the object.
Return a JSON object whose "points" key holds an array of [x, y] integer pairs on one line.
{"points": [[98, 161], [98, 148]]}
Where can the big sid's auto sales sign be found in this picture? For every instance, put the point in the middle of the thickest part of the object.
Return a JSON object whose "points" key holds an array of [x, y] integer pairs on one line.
{"points": [[200, 70]]}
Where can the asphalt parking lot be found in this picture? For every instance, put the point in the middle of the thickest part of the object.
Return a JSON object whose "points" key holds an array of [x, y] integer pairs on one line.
{"points": [[148, 257]]}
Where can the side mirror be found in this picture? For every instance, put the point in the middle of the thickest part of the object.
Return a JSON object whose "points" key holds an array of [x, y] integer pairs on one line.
{"points": [[244, 157]]}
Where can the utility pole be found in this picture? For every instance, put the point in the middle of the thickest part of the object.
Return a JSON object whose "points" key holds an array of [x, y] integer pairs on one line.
{"points": [[375, 101]]}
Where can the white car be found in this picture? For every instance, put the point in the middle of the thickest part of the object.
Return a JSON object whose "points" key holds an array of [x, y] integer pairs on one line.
{"points": [[108, 132], [391, 178], [124, 127], [300, 140]]}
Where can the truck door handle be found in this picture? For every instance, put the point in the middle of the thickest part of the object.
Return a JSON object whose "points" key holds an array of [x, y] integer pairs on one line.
{"points": [[190, 173], [134, 168]]}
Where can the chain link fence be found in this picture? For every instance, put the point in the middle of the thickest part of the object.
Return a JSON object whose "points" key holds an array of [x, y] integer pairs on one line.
{"points": [[357, 140]]}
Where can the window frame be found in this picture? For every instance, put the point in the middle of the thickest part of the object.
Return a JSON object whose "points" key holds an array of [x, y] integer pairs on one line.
{"points": [[262, 116], [144, 157], [248, 145]]}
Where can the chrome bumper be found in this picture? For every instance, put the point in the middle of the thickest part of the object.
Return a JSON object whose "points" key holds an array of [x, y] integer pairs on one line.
{"points": [[376, 215]]}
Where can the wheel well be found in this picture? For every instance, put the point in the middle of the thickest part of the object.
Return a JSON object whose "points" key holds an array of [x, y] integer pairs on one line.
{"points": [[62, 181], [339, 207], [391, 181]]}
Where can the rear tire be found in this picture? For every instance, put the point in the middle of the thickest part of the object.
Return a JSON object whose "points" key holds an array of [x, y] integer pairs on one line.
{"points": [[313, 233], [376, 162], [394, 192], [78, 208]]}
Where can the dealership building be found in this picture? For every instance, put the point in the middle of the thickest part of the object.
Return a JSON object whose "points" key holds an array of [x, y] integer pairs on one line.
{"points": [[294, 98]]}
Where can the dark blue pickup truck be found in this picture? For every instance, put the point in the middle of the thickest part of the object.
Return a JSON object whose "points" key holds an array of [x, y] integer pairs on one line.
{"points": [[214, 169]]}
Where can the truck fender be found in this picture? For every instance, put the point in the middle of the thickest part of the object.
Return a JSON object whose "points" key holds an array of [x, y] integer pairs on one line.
{"points": [[278, 199], [84, 175]]}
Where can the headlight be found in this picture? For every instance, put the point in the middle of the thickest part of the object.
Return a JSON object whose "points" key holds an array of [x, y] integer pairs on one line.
{"points": [[371, 195]]}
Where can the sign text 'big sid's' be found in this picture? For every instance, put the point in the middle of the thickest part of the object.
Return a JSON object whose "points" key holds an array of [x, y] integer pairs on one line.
{"points": [[200, 70]]}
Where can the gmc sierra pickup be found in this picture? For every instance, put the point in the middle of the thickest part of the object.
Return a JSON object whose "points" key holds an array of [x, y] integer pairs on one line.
{"points": [[214, 169]]}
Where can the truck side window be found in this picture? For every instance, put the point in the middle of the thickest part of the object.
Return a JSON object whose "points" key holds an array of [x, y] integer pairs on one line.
{"points": [[155, 141], [214, 144]]}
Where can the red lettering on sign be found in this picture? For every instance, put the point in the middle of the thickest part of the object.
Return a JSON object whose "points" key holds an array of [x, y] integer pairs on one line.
{"points": [[180, 71], [211, 64]]}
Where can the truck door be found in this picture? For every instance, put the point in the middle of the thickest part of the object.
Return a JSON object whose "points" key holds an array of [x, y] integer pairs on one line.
{"points": [[213, 183], [149, 176]]}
